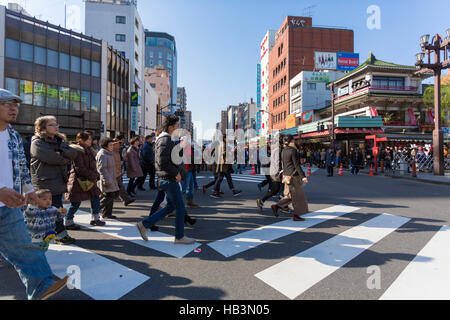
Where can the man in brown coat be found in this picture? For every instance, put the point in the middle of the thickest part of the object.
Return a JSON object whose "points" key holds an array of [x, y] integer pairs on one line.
{"points": [[126, 198], [134, 169]]}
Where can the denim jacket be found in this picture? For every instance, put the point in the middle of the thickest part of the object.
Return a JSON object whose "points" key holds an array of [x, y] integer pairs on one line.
{"points": [[21, 174]]}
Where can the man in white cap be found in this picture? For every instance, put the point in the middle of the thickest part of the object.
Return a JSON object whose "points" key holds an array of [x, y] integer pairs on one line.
{"points": [[16, 191]]}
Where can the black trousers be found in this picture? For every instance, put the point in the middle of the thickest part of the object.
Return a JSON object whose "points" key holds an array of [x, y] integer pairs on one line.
{"points": [[276, 187], [330, 170], [132, 185], [150, 170], [220, 179], [106, 203], [267, 181]]}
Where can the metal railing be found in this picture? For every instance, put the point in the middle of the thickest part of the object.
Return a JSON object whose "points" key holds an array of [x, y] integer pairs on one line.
{"points": [[424, 163]]}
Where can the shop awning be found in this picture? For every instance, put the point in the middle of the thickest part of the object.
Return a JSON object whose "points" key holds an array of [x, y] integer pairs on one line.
{"points": [[344, 131]]}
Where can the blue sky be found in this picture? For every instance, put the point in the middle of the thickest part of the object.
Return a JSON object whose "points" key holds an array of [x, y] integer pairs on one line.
{"points": [[218, 41]]}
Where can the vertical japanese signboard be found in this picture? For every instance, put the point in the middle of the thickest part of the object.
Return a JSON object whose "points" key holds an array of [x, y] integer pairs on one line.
{"points": [[258, 99]]}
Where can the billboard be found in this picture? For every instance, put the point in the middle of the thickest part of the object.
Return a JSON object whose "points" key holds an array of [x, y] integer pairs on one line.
{"points": [[347, 61], [316, 76], [325, 60], [290, 121], [307, 116]]}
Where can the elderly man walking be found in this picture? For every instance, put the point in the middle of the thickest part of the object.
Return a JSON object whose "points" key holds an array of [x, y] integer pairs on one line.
{"points": [[16, 190]]}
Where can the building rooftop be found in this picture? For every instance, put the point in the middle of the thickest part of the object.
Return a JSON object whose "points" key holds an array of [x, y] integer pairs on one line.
{"points": [[120, 2]]}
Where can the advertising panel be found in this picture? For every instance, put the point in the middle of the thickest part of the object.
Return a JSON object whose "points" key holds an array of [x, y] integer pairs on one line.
{"points": [[134, 119], [316, 76], [290, 121], [325, 60], [307, 116], [347, 61]]}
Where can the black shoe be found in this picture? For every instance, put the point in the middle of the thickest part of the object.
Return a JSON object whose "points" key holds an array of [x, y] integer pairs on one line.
{"points": [[236, 193], [154, 228], [132, 194], [73, 227], [215, 195], [275, 210], [141, 189], [98, 223], [65, 241], [189, 220], [129, 202]]}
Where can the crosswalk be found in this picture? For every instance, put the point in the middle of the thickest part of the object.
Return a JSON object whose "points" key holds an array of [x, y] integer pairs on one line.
{"points": [[426, 276]]}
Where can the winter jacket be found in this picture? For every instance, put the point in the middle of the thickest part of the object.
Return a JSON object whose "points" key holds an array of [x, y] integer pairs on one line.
{"points": [[146, 155], [134, 169], [49, 163], [356, 158], [84, 167], [107, 169], [330, 159], [165, 167]]}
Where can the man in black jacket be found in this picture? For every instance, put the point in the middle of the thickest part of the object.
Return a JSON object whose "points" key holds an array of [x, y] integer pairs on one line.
{"points": [[169, 175], [147, 161]]}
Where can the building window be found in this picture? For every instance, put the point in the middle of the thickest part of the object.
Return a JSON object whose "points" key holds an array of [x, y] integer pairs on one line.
{"points": [[160, 55], [52, 58], [169, 64], [85, 101], [151, 62], [12, 48], [95, 103], [26, 52], [120, 38], [121, 19], [75, 64], [153, 85], [311, 86], [64, 98], [169, 56], [26, 91], [12, 85], [85, 66], [151, 54], [39, 94], [160, 63], [64, 61], [52, 96], [75, 100], [95, 69], [40, 55]]}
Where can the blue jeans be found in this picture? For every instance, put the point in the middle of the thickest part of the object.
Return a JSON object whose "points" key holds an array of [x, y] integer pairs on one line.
{"points": [[28, 260], [194, 174], [174, 202], [74, 206], [189, 182], [159, 199]]}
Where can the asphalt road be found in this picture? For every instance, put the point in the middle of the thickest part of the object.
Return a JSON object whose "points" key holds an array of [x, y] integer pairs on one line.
{"points": [[332, 259]]}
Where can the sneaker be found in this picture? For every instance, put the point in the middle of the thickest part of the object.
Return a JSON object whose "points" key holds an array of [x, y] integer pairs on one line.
{"points": [[65, 241], [220, 192], [98, 223], [72, 226], [285, 210], [236, 193], [56, 287], [142, 230], [188, 219], [184, 240], [259, 204], [154, 228], [126, 203], [215, 195]]}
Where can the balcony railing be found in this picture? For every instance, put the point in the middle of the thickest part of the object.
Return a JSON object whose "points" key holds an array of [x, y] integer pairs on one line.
{"points": [[394, 88]]}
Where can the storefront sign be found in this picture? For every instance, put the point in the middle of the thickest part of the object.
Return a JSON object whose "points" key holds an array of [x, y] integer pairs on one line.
{"points": [[134, 119], [347, 61], [134, 99], [342, 91], [290, 121], [325, 60], [308, 116]]}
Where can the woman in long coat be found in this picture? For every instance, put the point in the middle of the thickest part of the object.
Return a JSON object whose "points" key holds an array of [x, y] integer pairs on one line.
{"points": [[134, 169], [84, 169], [294, 177]]}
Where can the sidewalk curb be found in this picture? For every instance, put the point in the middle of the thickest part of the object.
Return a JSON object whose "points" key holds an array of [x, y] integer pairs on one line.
{"points": [[409, 178]]}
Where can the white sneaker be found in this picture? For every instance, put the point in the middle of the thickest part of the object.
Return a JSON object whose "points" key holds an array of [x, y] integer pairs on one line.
{"points": [[142, 231], [184, 240]]}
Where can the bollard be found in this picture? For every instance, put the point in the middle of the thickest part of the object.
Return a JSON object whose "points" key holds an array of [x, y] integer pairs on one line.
{"points": [[413, 169]]}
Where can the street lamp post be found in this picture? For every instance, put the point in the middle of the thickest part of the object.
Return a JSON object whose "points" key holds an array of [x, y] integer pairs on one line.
{"points": [[437, 45]]}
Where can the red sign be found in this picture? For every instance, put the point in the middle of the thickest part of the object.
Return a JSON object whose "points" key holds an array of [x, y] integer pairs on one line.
{"points": [[375, 151], [352, 62], [307, 116]]}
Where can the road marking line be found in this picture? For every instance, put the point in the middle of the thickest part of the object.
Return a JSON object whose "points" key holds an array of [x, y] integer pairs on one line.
{"points": [[252, 238], [297, 274], [100, 278], [426, 277], [156, 240]]}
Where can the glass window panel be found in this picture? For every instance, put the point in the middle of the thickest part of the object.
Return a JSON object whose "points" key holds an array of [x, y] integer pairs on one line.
{"points": [[26, 91], [151, 54], [160, 55], [12, 85], [12, 49], [75, 100], [64, 98], [26, 52], [39, 94], [40, 55], [85, 66], [63, 61], [75, 64], [95, 69], [121, 19], [169, 56], [52, 58], [52, 96], [85, 100], [95, 103]]}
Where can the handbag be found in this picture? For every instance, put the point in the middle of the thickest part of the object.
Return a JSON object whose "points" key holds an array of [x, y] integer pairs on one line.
{"points": [[85, 185], [287, 179]]}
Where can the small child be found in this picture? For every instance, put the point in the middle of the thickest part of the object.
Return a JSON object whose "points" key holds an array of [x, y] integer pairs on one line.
{"points": [[40, 219]]}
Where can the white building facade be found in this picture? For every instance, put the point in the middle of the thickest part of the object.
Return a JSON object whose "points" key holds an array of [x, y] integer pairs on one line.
{"points": [[118, 22], [151, 109], [266, 46]]}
